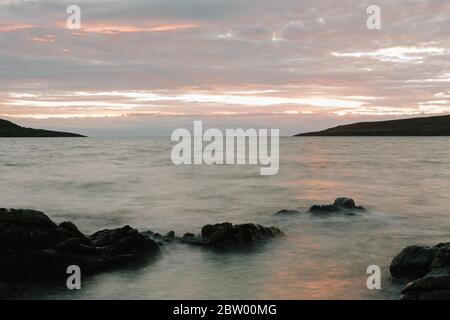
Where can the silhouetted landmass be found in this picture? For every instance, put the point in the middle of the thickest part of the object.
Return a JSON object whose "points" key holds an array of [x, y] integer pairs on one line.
{"points": [[427, 126], [12, 130]]}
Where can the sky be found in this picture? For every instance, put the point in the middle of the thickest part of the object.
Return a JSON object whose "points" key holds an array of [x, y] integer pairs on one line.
{"points": [[146, 67]]}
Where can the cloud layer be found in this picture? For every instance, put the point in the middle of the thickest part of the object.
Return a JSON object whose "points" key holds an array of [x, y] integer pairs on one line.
{"points": [[220, 58]]}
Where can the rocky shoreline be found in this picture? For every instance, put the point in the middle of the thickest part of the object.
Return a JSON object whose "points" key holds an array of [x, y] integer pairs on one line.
{"points": [[33, 247]]}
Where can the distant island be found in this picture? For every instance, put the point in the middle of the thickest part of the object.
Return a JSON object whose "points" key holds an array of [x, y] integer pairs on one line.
{"points": [[12, 130], [426, 126]]}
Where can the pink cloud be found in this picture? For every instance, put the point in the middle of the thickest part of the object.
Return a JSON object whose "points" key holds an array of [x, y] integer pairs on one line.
{"points": [[106, 28], [44, 39], [8, 27]]}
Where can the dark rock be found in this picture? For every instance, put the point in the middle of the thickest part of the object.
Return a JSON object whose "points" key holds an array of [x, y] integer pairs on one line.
{"points": [[346, 203], [157, 236], [411, 296], [226, 235], [49, 263], [32, 247], [72, 230], [121, 241], [28, 229], [69, 245], [443, 251], [323, 208], [170, 236], [435, 295], [412, 262], [429, 283], [25, 217], [442, 256], [429, 267], [74, 245], [188, 236], [340, 205], [287, 212], [208, 230], [148, 233]]}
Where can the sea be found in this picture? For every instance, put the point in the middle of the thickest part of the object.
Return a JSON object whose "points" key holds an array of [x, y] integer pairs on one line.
{"points": [[97, 183]]}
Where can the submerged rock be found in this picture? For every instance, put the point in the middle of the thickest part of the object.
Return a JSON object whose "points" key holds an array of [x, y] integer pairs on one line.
{"points": [[227, 235], [32, 247], [429, 267], [340, 205], [286, 212]]}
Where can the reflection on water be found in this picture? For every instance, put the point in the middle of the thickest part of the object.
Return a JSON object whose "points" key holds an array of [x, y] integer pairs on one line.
{"points": [[98, 183]]}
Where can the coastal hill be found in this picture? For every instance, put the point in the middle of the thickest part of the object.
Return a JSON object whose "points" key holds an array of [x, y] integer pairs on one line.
{"points": [[12, 130], [426, 126]]}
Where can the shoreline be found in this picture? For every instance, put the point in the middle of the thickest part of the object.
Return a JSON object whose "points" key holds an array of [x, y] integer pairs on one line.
{"points": [[51, 246]]}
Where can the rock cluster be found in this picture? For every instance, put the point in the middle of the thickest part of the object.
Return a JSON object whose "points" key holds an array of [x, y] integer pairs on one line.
{"points": [[428, 267], [227, 235], [340, 205], [34, 247]]}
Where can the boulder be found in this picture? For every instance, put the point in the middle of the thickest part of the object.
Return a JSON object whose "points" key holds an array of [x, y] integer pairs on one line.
{"points": [[74, 245], [70, 229], [428, 267], [340, 205], [32, 247], [169, 236], [188, 236], [429, 283], [287, 212], [412, 262], [125, 240], [442, 251], [227, 235], [25, 217], [28, 229]]}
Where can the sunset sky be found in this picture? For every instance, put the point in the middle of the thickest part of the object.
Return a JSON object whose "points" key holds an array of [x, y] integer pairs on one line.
{"points": [[146, 67]]}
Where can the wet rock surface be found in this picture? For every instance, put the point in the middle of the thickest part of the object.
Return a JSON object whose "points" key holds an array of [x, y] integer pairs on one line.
{"points": [[340, 205], [33, 247], [287, 212], [429, 270], [226, 235], [412, 262]]}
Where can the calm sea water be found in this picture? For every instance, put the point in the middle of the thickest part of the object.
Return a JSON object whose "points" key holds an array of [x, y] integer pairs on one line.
{"points": [[98, 183]]}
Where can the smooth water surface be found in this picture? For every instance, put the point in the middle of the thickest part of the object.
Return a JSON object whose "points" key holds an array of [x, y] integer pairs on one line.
{"points": [[99, 183]]}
